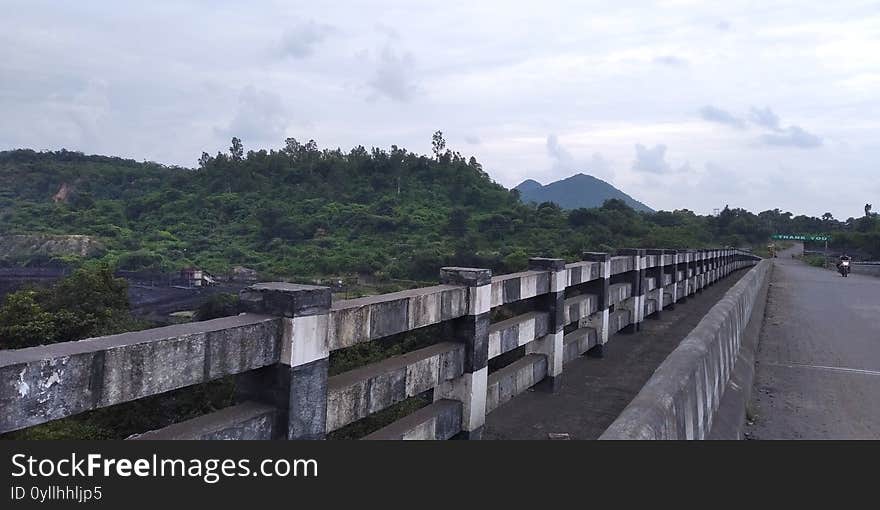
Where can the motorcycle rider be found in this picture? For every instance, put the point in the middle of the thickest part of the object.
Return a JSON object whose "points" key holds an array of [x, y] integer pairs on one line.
{"points": [[841, 260]]}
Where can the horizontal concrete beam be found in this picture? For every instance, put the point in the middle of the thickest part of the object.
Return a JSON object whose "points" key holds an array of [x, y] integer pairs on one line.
{"points": [[578, 342], [509, 334], [245, 421], [622, 264], [619, 292], [582, 272], [45, 383], [508, 382], [618, 320], [438, 421], [579, 307], [353, 321], [514, 287], [361, 392]]}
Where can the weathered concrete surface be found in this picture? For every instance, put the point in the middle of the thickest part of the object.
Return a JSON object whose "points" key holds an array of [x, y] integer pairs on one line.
{"points": [[363, 319], [681, 397], [865, 268], [438, 421], [245, 421], [517, 286], [730, 418], [593, 392], [818, 361], [358, 393], [509, 334], [45, 383]]}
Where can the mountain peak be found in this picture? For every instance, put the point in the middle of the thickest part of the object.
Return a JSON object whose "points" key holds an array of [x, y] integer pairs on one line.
{"points": [[578, 190], [529, 184]]}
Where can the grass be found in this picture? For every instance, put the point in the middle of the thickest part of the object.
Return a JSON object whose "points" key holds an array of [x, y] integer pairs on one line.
{"points": [[815, 260]]}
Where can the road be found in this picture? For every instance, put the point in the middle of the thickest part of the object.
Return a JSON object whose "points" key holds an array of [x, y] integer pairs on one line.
{"points": [[817, 373]]}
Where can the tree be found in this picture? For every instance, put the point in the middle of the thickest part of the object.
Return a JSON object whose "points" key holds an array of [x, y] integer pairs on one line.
{"points": [[236, 150], [827, 216], [291, 146], [204, 160], [867, 209], [438, 144], [90, 302]]}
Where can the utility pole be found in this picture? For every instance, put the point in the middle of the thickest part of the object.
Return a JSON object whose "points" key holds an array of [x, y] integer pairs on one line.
{"points": [[826, 253]]}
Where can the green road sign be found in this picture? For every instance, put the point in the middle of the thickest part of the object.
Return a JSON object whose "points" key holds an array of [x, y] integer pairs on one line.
{"points": [[801, 237]]}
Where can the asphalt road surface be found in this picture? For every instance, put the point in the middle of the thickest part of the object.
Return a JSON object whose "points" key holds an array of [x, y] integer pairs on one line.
{"points": [[818, 360]]}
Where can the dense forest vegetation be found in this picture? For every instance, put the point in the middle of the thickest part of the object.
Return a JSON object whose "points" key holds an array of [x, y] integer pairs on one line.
{"points": [[303, 211]]}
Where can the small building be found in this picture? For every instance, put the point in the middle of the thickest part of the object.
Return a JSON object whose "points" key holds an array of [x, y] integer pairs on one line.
{"points": [[194, 277]]}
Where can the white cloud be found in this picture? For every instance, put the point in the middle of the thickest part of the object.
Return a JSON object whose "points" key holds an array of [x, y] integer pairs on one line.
{"points": [[165, 81], [394, 77], [301, 40], [713, 114], [651, 160], [261, 117], [793, 136], [765, 117], [565, 164], [670, 60]]}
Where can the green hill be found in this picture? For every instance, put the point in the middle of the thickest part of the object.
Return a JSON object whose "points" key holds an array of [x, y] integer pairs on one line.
{"points": [[306, 212], [579, 190]]}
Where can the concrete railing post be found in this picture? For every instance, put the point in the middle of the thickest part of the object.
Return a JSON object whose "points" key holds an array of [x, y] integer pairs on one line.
{"points": [[673, 270], [691, 257], [297, 386], [553, 303], [473, 331], [711, 267], [637, 280], [715, 265], [656, 272], [701, 269], [599, 321]]}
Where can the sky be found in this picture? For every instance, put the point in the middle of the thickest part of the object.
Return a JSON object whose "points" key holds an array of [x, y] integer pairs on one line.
{"points": [[681, 104]]}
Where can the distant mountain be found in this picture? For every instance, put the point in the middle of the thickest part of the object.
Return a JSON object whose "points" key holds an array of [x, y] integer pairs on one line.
{"points": [[579, 190]]}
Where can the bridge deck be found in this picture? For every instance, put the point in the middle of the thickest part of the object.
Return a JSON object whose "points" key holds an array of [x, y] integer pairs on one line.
{"points": [[593, 392], [817, 374]]}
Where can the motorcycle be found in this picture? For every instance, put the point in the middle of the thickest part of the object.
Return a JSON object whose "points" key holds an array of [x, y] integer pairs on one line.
{"points": [[843, 268]]}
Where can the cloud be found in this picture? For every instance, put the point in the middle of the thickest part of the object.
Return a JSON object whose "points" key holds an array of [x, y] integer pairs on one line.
{"points": [[387, 31], [394, 77], [261, 116], [712, 114], [565, 164], [472, 139], [558, 152], [765, 117], [300, 41], [792, 136], [670, 60], [723, 25], [651, 160], [600, 167], [721, 180]]}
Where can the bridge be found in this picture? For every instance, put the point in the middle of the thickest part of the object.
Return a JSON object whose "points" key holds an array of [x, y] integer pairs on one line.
{"points": [[817, 370], [497, 337]]}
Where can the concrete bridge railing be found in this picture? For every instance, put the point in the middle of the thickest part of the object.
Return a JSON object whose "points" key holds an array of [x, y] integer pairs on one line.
{"points": [[681, 399], [279, 350], [868, 268]]}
